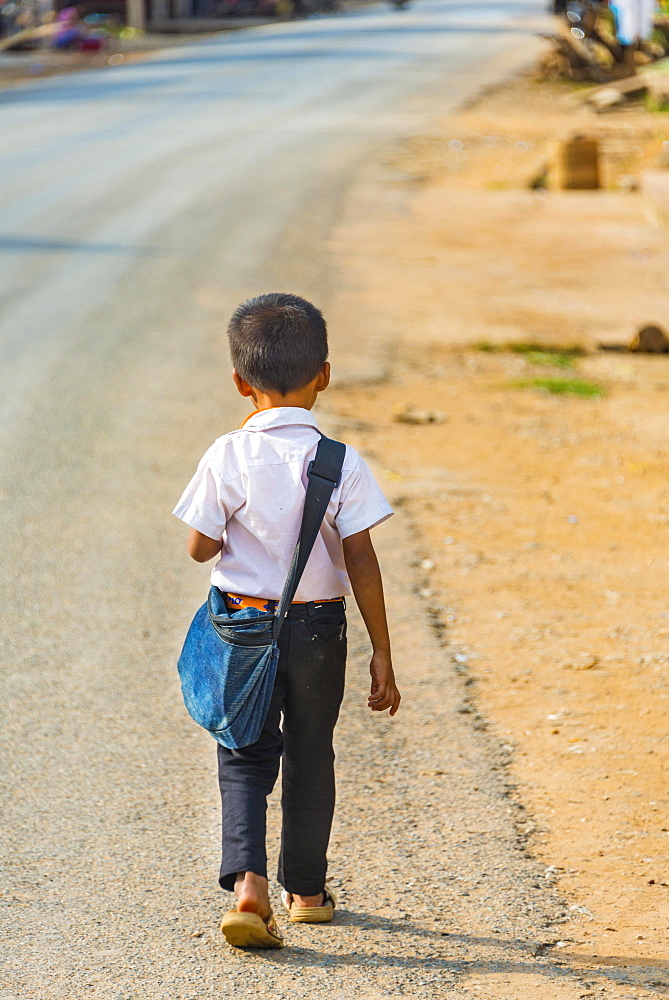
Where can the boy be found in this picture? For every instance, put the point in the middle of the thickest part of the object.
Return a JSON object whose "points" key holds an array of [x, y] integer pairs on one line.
{"points": [[244, 507]]}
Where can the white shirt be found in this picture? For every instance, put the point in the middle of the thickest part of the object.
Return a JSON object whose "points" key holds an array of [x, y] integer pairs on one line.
{"points": [[249, 491]]}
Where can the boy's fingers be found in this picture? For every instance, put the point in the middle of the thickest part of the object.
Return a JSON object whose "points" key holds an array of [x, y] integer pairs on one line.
{"points": [[380, 706], [383, 698]]}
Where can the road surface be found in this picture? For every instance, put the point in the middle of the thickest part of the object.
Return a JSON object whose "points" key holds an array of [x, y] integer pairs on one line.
{"points": [[138, 206]]}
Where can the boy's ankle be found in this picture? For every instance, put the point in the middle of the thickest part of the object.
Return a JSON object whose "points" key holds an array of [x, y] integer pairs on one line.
{"points": [[317, 900], [252, 893]]}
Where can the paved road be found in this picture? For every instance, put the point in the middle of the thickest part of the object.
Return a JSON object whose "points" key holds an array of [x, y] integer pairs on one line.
{"points": [[137, 207]]}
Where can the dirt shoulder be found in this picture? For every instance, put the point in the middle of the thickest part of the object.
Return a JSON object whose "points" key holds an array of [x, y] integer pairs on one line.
{"points": [[538, 519]]}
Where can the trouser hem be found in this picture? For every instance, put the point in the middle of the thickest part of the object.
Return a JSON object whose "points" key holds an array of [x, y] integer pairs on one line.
{"points": [[301, 884], [227, 880]]}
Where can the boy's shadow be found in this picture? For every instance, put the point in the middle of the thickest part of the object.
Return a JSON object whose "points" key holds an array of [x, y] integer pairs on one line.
{"points": [[539, 959]]}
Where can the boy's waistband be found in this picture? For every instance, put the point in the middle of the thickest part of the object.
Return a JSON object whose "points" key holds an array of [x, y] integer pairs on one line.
{"points": [[234, 602]]}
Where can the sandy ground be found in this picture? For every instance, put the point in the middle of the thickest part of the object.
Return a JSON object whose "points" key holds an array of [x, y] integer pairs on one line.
{"points": [[538, 520]]}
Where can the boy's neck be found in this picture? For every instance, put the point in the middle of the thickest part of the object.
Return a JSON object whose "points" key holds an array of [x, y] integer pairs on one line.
{"points": [[304, 397], [270, 400]]}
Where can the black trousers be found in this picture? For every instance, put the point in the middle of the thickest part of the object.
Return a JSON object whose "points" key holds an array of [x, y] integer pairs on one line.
{"points": [[308, 691]]}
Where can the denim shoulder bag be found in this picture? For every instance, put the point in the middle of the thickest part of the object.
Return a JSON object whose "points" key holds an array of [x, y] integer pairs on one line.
{"points": [[228, 662]]}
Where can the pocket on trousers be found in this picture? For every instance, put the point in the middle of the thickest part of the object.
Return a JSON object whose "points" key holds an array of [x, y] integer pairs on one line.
{"points": [[333, 633]]}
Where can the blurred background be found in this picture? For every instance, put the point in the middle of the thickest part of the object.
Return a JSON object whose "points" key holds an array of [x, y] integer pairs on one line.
{"points": [[476, 194]]}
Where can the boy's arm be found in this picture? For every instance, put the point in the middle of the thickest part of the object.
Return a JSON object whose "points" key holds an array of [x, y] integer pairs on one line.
{"points": [[363, 570], [201, 548]]}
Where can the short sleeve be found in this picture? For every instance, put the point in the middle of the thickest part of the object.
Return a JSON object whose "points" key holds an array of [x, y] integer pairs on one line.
{"points": [[362, 504], [207, 504]]}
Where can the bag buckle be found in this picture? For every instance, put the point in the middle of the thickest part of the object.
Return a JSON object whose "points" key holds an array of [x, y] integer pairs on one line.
{"points": [[315, 475]]}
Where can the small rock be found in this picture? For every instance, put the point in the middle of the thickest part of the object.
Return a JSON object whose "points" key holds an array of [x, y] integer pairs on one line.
{"points": [[406, 414], [584, 661], [650, 340], [605, 98], [628, 182]]}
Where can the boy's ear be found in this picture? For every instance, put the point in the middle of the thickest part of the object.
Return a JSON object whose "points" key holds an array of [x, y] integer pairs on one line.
{"points": [[323, 377], [243, 388]]}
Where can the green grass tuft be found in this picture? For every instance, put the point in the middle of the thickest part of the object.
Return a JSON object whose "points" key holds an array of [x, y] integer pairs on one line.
{"points": [[571, 350], [539, 354], [656, 105], [562, 386], [559, 359]]}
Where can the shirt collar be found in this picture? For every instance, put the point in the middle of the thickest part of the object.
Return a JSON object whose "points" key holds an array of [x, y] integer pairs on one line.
{"points": [[279, 416]]}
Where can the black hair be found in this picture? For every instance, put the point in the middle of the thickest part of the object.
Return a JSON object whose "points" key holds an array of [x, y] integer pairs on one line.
{"points": [[278, 342]]}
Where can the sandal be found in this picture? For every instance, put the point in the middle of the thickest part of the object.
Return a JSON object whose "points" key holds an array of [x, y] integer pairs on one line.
{"points": [[249, 930], [311, 914]]}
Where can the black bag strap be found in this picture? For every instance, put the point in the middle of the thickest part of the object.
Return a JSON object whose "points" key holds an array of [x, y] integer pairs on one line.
{"points": [[324, 473]]}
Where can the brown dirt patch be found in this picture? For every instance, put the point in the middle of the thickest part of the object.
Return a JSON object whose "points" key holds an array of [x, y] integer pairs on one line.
{"points": [[539, 520]]}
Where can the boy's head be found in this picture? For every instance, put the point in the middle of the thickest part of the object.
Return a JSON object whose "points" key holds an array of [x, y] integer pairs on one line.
{"points": [[278, 342]]}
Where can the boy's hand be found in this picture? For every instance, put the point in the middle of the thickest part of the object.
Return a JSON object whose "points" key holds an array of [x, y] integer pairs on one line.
{"points": [[384, 693]]}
